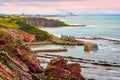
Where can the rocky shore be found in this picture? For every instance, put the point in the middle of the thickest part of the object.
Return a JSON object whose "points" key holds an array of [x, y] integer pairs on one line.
{"points": [[18, 62], [81, 60], [67, 40], [59, 66]]}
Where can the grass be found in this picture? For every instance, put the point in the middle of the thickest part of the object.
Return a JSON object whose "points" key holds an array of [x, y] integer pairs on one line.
{"points": [[15, 23], [8, 23]]}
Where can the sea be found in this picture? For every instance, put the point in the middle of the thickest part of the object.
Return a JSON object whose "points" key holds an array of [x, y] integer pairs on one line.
{"points": [[107, 27]]}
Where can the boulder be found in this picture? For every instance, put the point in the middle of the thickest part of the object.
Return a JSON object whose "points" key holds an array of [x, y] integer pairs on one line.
{"points": [[58, 67], [58, 62], [75, 67], [68, 38], [75, 71], [57, 71], [88, 46]]}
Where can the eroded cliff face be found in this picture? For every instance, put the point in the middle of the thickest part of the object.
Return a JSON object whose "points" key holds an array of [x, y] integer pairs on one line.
{"points": [[21, 34], [17, 62]]}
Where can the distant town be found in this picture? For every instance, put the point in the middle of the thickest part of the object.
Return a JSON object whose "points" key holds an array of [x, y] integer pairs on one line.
{"points": [[57, 15]]}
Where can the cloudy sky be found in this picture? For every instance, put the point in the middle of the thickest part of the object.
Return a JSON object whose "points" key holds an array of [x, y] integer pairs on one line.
{"points": [[60, 6]]}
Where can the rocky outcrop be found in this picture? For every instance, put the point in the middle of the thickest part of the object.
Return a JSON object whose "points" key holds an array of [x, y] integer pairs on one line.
{"points": [[68, 38], [89, 46], [42, 22], [75, 71], [17, 62], [58, 67], [21, 34]]}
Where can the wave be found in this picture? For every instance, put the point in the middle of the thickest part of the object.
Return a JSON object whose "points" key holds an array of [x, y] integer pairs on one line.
{"points": [[99, 38], [96, 25]]}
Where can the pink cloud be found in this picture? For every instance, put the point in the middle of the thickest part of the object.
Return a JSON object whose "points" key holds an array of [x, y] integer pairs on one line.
{"points": [[45, 6]]}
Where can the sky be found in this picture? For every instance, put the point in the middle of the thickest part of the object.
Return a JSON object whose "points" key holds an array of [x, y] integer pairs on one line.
{"points": [[60, 6]]}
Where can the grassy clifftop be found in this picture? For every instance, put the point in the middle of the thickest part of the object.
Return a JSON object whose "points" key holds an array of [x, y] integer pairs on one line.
{"points": [[15, 23]]}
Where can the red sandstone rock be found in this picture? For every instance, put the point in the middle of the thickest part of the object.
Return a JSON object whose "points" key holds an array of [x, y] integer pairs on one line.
{"points": [[26, 36], [21, 34], [17, 62], [58, 62], [58, 67], [80, 42], [75, 67], [58, 72], [75, 71], [29, 58]]}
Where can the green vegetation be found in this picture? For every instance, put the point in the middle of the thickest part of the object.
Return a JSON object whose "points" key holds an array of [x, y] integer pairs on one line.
{"points": [[3, 58], [3, 35], [40, 34], [9, 23], [61, 23], [10, 46], [7, 48], [42, 22], [15, 23]]}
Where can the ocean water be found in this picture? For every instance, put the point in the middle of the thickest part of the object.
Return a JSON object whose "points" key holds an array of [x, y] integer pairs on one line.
{"points": [[110, 21], [96, 26]]}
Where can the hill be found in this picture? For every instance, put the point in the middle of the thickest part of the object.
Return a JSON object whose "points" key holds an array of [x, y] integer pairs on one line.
{"points": [[42, 22], [17, 24]]}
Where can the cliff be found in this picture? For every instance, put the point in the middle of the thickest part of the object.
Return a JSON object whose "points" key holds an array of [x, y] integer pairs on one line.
{"points": [[21, 34], [17, 62], [42, 22]]}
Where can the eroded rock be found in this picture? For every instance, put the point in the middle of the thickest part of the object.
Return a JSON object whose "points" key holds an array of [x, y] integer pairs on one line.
{"points": [[17, 62], [59, 67], [21, 34], [89, 46]]}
